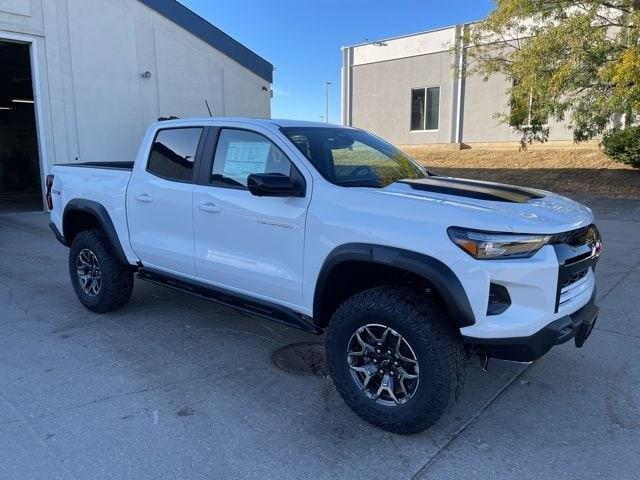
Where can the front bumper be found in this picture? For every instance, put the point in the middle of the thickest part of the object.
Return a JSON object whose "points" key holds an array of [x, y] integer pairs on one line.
{"points": [[578, 326]]}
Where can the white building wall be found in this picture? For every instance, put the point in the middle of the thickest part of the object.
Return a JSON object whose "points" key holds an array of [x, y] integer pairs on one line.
{"points": [[425, 43], [94, 104]]}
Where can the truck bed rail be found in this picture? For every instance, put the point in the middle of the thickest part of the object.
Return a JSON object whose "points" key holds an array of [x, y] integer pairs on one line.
{"points": [[109, 165]]}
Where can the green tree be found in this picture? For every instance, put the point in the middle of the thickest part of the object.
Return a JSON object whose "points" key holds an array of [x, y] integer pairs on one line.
{"points": [[578, 60]]}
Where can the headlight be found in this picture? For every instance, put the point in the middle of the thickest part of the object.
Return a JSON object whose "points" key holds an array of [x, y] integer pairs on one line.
{"points": [[488, 245]]}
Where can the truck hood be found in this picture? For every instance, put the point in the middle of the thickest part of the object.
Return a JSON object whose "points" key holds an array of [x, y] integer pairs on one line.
{"points": [[496, 206]]}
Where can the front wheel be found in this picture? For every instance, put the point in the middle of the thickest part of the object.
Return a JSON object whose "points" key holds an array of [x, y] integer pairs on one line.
{"points": [[395, 358], [100, 281]]}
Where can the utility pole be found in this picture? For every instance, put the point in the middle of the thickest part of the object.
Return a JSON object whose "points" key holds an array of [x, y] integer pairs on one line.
{"points": [[326, 85]]}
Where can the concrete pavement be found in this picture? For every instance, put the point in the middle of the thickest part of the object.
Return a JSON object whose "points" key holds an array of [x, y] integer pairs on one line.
{"points": [[176, 387]]}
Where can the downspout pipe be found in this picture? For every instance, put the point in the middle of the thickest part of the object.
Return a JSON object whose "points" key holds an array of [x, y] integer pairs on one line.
{"points": [[460, 82]]}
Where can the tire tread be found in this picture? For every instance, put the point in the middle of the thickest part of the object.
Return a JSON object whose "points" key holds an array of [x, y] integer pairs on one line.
{"points": [[117, 279], [431, 325]]}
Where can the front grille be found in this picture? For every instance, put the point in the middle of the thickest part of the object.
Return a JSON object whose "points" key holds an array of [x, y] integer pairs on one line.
{"points": [[574, 278], [577, 237], [576, 288], [578, 252]]}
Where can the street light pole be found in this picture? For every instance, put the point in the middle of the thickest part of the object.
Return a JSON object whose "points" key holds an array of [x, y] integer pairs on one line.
{"points": [[326, 85]]}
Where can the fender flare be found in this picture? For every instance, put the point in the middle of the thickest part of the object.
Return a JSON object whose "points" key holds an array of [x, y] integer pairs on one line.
{"points": [[104, 219], [434, 271]]}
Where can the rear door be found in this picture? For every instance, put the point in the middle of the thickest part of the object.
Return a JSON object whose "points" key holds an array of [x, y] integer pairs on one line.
{"points": [[249, 244], [160, 200]]}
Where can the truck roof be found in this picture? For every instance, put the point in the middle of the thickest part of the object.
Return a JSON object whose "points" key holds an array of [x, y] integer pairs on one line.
{"points": [[254, 121]]}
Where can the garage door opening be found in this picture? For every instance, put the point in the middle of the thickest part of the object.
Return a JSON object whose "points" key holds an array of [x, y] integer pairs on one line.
{"points": [[20, 183]]}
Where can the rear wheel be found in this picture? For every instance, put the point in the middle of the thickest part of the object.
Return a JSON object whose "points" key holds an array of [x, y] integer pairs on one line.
{"points": [[101, 282], [395, 358]]}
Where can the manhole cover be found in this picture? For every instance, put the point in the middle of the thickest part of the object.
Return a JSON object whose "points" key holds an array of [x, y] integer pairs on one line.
{"points": [[305, 358]]}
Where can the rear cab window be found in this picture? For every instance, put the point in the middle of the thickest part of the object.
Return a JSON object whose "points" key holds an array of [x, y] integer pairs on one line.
{"points": [[173, 153]]}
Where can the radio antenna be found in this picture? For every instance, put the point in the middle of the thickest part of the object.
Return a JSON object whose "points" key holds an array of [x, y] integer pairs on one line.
{"points": [[208, 109]]}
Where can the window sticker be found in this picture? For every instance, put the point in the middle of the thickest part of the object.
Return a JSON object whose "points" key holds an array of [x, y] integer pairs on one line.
{"points": [[244, 158]]}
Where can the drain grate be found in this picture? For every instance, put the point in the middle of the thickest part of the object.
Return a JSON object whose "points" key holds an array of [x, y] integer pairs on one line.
{"points": [[305, 358]]}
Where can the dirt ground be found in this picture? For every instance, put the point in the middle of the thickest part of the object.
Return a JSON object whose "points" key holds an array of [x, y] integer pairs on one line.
{"points": [[566, 170]]}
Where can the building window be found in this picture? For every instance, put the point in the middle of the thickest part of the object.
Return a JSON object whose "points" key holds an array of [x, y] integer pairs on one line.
{"points": [[425, 108], [417, 108], [433, 108]]}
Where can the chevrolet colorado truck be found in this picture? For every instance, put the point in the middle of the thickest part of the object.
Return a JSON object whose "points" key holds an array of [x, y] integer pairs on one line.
{"points": [[331, 229]]}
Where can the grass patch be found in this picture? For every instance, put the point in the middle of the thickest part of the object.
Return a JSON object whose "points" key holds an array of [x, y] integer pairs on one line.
{"points": [[583, 170]]}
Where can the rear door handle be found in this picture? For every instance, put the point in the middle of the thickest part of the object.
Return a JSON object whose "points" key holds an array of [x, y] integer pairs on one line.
{"points": [[210, 207], [143, 197]]}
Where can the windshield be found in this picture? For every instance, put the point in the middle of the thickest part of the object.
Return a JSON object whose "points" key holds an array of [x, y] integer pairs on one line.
{"points": [[353, 158]]}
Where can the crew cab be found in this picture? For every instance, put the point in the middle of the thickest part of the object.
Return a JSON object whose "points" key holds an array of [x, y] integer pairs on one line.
{"points": [[333, 230]]}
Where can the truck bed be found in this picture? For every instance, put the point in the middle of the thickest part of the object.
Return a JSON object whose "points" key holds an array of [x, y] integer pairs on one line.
{"points": [[99, 183]]}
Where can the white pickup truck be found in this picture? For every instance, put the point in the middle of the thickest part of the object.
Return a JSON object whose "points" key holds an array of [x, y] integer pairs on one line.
{"points": [[331, 229]]}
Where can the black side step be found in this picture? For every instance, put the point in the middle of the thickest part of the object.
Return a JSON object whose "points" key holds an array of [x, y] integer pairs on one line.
{"points": [[259, 308]]}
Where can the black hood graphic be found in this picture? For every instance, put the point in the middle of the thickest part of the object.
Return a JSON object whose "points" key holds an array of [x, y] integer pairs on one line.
{"points": [[461, 187]]}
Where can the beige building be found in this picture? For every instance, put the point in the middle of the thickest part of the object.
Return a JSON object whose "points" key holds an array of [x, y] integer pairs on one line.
{"points": [[406, 90]]}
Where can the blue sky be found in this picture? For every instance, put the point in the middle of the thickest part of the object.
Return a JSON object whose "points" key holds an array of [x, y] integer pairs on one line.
{"points": [[303, 38]]}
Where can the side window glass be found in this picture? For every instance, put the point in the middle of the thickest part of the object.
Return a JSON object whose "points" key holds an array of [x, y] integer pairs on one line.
{"points": [[240, 153], [173, 153]]}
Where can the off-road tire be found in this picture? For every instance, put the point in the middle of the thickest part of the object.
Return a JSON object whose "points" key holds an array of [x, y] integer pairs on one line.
{"points": [[431, 334], [117, 279]]}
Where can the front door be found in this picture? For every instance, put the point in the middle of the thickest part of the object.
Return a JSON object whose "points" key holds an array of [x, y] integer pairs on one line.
{"points": [[160, 202], [246, 243]]}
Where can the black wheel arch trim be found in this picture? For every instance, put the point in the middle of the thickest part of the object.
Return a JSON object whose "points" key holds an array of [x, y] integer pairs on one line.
{"points": [[104, 219], [58, 235], [434, 271]]}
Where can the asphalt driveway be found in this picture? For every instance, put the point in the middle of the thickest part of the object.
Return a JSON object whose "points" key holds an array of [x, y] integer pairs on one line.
{"points": [[179, 388]]}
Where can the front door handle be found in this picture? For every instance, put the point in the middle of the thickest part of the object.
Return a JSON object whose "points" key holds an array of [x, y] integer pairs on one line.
{"points": [[210, 208], [143, 197]]}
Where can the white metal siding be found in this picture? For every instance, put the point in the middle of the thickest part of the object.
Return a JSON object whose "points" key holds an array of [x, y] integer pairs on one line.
{"points": [[91, 55]]}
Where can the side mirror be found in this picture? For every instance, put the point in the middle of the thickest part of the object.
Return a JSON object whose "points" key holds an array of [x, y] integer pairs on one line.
{"points": [[273, 185]]}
